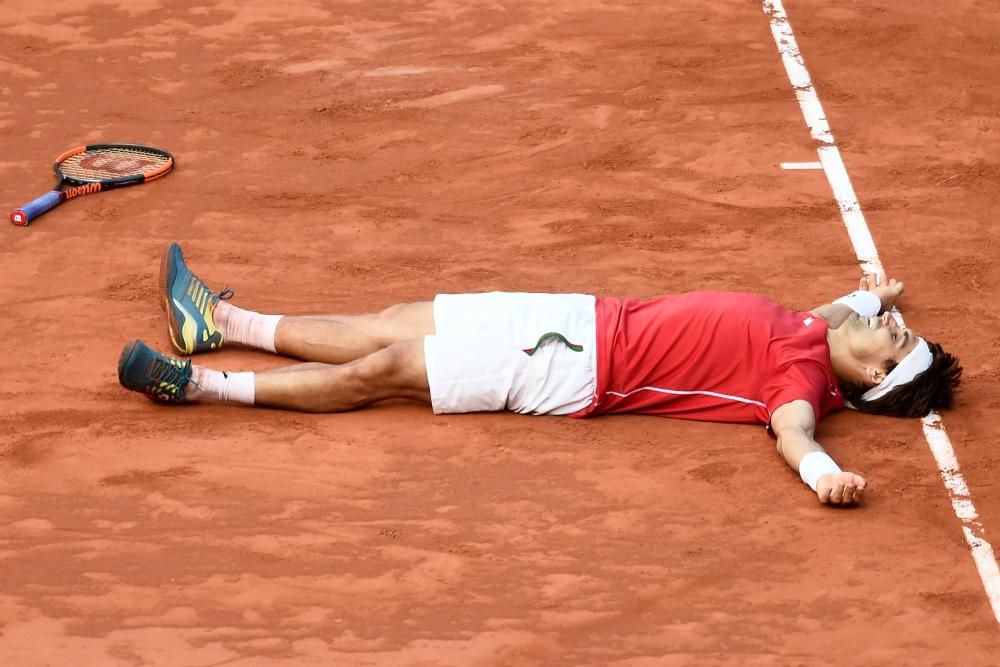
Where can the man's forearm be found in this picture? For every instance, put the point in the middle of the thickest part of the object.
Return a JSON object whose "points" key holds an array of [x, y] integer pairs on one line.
{"points": [[817, 470], [794, 444], [833, 313], [794, 423], [884, 290]]}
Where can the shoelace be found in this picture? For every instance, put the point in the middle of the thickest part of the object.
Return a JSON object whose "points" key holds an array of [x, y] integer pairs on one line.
{"points": [[226, 294], [162, 370]]}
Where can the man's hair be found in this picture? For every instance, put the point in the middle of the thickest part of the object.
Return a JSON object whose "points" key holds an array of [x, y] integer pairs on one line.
{"points": [[933, 389]]}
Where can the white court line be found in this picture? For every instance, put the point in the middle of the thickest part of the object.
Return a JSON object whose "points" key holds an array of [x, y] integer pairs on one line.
{"points": [[864, 248], [801, 165]]}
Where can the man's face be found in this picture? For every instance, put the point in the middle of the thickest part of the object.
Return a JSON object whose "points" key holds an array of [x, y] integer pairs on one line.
{"points": [[875, 340]]}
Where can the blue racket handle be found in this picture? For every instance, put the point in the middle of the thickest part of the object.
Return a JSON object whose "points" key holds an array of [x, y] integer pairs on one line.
{"points": [[24, 215]]}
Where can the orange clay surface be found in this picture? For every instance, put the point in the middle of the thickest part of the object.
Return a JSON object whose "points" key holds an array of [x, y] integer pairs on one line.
{"points": [[345, 156]]}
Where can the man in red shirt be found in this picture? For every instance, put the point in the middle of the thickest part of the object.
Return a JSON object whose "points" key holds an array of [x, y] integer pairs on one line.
{"points": [[708, 356]]}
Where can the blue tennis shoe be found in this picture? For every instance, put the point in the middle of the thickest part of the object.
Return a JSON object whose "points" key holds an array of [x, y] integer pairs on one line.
{"points": [[158, 376], [189, 305]]}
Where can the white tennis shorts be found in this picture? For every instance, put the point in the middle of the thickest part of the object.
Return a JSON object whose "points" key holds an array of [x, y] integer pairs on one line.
{"points": [[478, 359]]}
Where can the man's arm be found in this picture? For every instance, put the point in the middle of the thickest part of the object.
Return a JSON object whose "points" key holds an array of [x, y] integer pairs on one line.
{"points": [[888, 292], [794, 423]]}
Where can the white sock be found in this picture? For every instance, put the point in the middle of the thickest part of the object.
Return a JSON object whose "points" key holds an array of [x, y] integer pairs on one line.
{"points": [[246, 327], [207, 384]]}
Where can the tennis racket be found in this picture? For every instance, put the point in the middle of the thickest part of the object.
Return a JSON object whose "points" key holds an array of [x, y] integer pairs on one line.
{"points": [[90, 169]]}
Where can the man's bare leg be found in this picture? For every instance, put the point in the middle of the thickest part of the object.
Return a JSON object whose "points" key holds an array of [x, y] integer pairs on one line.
{"points": [[200, 320], [330, 339], [396, 371]]}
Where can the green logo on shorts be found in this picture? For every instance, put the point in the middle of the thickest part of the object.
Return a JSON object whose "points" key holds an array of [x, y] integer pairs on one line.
{"points": [[553, 335]]}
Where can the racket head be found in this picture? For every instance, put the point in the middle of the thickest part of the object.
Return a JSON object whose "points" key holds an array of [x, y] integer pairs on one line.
{"points": [[113, 165]]}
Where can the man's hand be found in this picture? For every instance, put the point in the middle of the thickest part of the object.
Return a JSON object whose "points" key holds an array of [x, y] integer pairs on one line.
{"points": [[888, 291], [842, 488]]}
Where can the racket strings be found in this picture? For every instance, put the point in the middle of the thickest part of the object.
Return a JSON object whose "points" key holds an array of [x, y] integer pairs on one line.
{"points": [[111, 163]]}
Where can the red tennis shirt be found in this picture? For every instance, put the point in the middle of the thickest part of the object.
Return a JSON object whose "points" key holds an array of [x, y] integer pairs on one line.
{"points": [[710, 356]]}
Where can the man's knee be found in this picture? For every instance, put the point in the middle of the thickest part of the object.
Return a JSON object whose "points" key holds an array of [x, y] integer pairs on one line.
{"points": [[398, 367]]}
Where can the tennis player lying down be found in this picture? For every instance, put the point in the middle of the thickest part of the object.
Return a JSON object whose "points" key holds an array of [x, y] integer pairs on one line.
{"points": [[708, 356]]}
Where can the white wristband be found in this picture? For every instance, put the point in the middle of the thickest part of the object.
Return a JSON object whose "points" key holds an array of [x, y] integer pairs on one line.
{"points": [[865, 304], [814, 465]]}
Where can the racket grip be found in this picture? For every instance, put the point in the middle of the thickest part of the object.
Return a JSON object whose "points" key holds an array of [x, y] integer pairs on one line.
{"points": [[24, 215]]}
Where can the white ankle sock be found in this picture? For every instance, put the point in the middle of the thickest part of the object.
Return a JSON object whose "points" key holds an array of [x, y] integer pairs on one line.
{"points": [[207, 384], [247, 327]]}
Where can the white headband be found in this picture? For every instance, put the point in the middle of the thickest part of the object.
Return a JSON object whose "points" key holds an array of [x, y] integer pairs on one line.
{"points": [[917, 361]]}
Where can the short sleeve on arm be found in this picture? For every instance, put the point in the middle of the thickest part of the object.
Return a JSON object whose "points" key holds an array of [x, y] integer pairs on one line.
{"points": [[803, 381]]}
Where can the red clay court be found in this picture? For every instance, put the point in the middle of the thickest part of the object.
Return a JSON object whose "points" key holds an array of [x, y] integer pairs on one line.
{"points": [[344, 156]]}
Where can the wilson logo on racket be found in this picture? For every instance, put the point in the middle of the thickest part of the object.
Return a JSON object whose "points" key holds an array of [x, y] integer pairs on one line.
{"points": [[88, 189], [94, 169]]}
